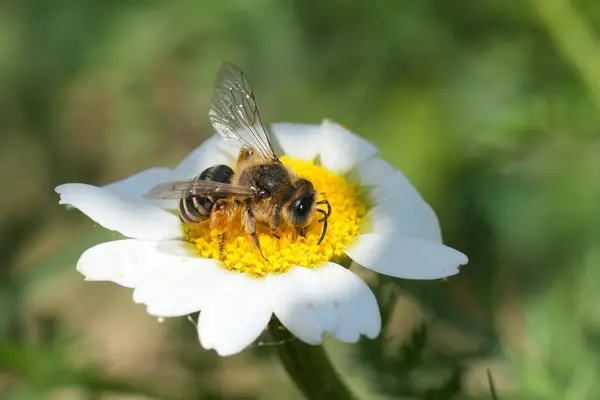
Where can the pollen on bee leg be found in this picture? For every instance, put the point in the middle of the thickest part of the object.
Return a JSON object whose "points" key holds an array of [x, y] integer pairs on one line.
{"points": [[221, 236], [231, 245]]}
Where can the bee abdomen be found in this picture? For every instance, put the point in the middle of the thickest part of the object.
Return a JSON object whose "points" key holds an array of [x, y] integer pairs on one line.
{"points": [[217, 173], [194, 209]]}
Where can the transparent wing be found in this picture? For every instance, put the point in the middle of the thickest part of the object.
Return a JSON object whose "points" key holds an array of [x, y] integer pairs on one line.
{"points": [[234, 112], [182, 189]]}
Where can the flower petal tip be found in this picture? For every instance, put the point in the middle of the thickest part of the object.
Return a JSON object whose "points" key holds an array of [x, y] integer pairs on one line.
{"points": [[60, 188], [226, 352], [156, 311], [130, 218], [139, 298], [460, 259], [223, 350], [373, 335]]}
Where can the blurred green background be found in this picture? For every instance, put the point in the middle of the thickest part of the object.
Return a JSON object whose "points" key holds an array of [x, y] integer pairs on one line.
{"points": [[491, 109]]}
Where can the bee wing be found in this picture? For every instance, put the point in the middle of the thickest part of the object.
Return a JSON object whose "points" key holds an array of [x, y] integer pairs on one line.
{"points": [[234, 112], [182, 189]]}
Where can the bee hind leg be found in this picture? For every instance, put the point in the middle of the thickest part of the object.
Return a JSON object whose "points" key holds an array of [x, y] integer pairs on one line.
{"points": [[221, 241], [275, 221], [220, 218]]}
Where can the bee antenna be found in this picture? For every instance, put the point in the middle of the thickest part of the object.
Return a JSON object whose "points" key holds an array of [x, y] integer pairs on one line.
{"points": [[326, 215]]}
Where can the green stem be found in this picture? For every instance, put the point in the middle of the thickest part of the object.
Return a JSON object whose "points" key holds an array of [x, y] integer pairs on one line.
{"points": [[574, 38], [308, 366]]}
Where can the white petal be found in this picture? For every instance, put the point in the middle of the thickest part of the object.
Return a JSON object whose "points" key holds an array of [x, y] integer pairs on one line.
{"points": [[430, 224], [213, 151], [399, 208], [375, 172], [234, 315], [134, 187], [342, 149], [355, 304], [298, 301], [405, 257], [300, 141], [396, 188], [127, 262], [135, 220], [180, 288], [409, 217]]}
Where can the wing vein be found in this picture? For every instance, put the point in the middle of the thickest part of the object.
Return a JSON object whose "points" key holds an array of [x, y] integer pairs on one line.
{"points": [[196, 187], [234, 112]]}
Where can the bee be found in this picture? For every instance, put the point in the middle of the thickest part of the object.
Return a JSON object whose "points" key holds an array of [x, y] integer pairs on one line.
{"points": [[266, 190]]}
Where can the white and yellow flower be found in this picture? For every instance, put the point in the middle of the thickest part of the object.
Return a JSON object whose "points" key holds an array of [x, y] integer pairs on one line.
{"points": [[379, 220]]}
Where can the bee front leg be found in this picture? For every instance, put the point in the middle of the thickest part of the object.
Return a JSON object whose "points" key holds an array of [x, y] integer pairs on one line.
{"points": [[249, 222], [221, 215], [275, 221]]}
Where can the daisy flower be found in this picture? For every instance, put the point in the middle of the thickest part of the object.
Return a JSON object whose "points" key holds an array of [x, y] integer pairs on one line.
{"points": [[379, 221]]}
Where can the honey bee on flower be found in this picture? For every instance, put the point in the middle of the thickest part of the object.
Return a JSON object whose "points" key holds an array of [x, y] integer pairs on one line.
{"points": [[261, 186]]}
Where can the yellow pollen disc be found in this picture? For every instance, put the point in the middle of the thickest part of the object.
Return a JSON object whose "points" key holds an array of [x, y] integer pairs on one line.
{"points": [[290, 249]]}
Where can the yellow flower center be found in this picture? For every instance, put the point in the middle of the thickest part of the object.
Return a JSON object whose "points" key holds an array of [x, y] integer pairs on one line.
{"points": [[290, 249]]}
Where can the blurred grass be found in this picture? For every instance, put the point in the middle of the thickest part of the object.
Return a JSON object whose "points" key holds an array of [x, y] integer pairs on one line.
{"points": [[491, 109]]}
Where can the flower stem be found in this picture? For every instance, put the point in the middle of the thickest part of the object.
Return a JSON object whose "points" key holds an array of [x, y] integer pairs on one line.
{"points": [[308, 366], [574, 36]]}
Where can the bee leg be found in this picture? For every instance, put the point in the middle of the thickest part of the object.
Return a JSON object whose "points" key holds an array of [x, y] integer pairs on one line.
{"points": [[220, 217], [301, 231], [276, 221], [221, 242], [249, 221]]}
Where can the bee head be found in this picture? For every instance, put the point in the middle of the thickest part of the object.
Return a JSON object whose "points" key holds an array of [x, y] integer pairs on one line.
{"points": [[300, 209]]}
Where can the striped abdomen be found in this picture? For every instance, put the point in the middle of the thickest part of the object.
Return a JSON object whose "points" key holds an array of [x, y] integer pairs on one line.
{"points": [[197, 208]]}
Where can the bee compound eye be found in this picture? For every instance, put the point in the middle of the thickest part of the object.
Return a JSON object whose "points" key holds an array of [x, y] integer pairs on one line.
{"points": [[300, 209]]}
